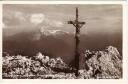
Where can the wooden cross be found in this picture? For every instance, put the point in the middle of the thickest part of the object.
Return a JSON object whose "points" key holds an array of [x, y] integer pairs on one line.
{"points": [[77, 24]]}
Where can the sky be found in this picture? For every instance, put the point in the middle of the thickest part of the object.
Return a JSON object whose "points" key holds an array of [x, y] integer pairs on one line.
{"points": [[99, 18]]}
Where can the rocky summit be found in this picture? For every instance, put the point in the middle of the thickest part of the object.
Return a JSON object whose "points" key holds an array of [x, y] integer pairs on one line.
{"points": [[105, 64]]}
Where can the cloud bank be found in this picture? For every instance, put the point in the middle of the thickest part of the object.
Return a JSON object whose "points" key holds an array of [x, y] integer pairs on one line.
{"points": [[98, 18]]}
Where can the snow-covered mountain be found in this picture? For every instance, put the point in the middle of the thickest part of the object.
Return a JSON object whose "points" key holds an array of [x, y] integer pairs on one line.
{"points": [[55, 43], [53, 32]]}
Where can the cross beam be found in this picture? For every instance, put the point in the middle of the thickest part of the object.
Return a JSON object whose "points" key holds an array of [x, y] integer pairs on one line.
{"points": [[77, 24]]}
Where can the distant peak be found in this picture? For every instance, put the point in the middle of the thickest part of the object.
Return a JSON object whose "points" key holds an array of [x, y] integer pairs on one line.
{"points": [[52, 32]]}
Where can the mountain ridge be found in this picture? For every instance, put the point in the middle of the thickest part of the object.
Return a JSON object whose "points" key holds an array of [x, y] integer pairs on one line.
{"points": [[62, 44]]}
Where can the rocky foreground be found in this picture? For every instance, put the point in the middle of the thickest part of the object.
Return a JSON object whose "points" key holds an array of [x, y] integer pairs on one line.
{"points": [[106, 64]]}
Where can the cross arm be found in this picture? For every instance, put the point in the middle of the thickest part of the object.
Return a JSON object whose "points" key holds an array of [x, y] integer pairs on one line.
{"points": [[81, 23], [71, 22], [75, 22]]}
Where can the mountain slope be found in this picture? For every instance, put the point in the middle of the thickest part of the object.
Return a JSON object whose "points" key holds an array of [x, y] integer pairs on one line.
{"points": [[56, 43]]}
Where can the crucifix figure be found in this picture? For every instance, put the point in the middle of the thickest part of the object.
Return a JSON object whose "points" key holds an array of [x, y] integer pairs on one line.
{"points": [[77, 24]]}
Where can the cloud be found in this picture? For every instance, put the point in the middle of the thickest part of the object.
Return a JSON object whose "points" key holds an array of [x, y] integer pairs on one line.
{"points": [[14, 19], [37, 18], [58, 23], [19, 15], [54, 23]]}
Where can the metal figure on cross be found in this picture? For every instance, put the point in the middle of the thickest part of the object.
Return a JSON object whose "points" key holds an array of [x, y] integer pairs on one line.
{"points": [[77, 24]]}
